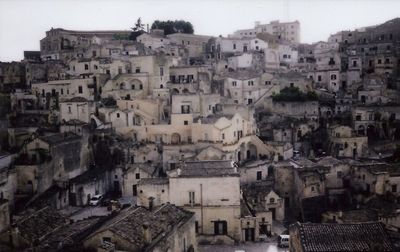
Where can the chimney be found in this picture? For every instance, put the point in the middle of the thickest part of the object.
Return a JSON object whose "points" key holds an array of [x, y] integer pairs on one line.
{"points": [[146, 233]]}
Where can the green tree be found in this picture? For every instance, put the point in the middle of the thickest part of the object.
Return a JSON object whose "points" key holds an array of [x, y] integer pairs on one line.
{"points": [[294, 94], [138, 26], [137, 29], [177, 26]]}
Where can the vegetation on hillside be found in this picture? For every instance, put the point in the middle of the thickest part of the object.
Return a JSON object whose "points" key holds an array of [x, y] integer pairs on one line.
{"points": [[294, 94]]}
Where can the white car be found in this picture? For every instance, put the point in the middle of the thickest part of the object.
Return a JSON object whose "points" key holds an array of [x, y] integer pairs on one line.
{"points": [[95, 200]]}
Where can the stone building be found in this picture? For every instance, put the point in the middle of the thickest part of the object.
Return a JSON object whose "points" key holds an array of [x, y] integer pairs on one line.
{"points": [[165, 228], [196, 44]]}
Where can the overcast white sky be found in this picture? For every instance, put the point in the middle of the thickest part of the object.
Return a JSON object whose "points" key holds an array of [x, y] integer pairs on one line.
{"points": [[24, 22]]}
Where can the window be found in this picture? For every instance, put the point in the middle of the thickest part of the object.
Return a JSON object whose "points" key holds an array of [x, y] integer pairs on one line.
{"points": [[267, 82], [185, 123], [259, 175], [94, 53], [312, 189], [137, 175], [117, 115], [185, 109], [140, 86], [354, 63], [272, 200], [95, 67], [319, 78], [62, 91], [223, 136], [107, 239], [233, 83], [137, 70], [191, 198], [234, 46], [69, 109], [333, 77], [250, 83], [220, 227], [80, 90], [394, 188], [339, 174], [379, 61], [161, 71], [86, 67]]}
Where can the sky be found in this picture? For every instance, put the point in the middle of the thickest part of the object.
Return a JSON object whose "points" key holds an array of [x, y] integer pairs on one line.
{"points": [[24, 22]]}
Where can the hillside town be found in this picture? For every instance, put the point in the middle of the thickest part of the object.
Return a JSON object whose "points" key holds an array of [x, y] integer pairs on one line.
{"points": [[156, 138]]}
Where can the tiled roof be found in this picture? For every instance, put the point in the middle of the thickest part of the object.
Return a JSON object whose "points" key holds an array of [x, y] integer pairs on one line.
{"points": [[380, 168], [343, 237], [207, 168], [160, 222], [153, 181], [361, 215], [59, 138], [329, 161], [68, 234], [40, 223]]}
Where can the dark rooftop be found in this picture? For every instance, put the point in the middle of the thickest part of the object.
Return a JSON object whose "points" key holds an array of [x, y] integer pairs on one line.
{"points": [[361, 215], [153, 181], [343, 237], [59, 138], [40, 223], [160, 222], [208, 168], [380, 168]]}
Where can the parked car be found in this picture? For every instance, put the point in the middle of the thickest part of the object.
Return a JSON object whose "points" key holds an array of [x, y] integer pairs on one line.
{"points": [[96, 200], [125, 202], [283, 241]]}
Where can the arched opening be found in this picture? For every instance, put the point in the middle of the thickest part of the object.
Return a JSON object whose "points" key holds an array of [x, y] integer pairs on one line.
{"points": [[397, 134], [251, 152], [371, 133], [361, 130], [136, 84], [93, 123], [175, 138], [122, 85], [174, 91], [363, 99], [185, 91]]}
